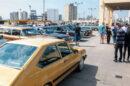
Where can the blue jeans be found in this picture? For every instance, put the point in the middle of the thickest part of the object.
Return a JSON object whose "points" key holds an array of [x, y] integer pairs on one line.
{"points": [[114, 39], [77, 38]]}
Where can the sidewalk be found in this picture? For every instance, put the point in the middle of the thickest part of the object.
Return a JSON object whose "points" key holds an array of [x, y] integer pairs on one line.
{"points": [[100, 69]]}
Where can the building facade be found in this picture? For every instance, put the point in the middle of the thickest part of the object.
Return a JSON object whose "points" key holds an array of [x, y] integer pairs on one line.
{"points": [[0, 18], [53, 15], [107, 7], [70, 12], [33, 15], [14, 16], [24, 15], [60, 17]]}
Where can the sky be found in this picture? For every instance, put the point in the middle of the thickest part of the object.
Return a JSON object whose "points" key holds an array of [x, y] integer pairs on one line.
{"points": [[7, 6]]}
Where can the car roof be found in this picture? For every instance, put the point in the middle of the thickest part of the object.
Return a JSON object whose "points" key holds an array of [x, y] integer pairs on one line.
{"points": [[40, 41], [15, 27]]}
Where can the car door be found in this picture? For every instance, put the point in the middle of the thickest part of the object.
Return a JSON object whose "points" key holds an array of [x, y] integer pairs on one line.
{"points": [[50, 65], [70, 58]]}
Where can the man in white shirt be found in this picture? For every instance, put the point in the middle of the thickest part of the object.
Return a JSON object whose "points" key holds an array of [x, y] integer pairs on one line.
{"points": [[125, 28], [125, 47]]}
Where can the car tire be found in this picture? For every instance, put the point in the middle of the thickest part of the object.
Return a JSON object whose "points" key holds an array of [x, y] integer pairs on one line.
{"points": [[49, 84], [80, 65]]}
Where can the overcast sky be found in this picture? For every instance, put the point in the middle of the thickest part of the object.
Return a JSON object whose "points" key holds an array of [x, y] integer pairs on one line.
{"points": [[7, 6]]}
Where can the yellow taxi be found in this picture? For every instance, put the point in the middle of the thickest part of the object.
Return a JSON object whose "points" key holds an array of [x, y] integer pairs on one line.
{"points": [[38, 62], [14, 33]]}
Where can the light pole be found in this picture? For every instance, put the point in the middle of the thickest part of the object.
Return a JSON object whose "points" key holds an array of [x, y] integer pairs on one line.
{"points": [[30, 8], [20, 16], [91, 12], [43, 10], [77, 4]]}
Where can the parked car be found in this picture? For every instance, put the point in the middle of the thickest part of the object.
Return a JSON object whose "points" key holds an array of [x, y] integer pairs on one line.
{"points": [[87, 31], [38, 62], [56, 31], [2, 40], [13, 33], [94, 28]]}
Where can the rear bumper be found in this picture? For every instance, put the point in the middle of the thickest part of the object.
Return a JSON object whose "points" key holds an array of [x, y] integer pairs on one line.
{"points": [[84, 57]]}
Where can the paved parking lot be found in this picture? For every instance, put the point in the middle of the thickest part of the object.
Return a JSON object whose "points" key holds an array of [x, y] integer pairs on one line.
{"points": [[100, 70]]}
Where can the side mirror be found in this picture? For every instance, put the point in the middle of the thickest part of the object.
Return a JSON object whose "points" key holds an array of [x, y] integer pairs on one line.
{"points": [[75, 51]]}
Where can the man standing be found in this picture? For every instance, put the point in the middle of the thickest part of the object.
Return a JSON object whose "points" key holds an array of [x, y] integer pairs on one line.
{"points": [[128, 40], [102, 31], [114, 32], [77, 34], [108, 35], [125, 47], [120, 38], [108, 31]]}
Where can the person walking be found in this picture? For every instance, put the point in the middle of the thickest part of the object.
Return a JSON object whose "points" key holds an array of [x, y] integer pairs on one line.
{"points": [[114, 32], [109, 33], [120, 38], [102, 32], [128, 40], [77, 34], [125, 47]]}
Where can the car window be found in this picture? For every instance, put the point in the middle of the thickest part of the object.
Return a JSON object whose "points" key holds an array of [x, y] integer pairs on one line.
{"points": [[16, 32], [29, 32], [7, 31], [1, 30], [15, 55], [50, 55], [64, 49]]}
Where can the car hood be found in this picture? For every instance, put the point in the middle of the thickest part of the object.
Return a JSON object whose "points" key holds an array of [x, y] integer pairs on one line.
{"points": [[7, 75], [81, 51], [59, 35]]}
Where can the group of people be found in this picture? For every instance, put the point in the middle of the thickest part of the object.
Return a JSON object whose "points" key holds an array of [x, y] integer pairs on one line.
{"points": [[120, 33]]}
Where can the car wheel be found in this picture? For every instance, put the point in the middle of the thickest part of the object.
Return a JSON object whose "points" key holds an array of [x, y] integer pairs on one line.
{"points": [[81, 65], [48, 84]]}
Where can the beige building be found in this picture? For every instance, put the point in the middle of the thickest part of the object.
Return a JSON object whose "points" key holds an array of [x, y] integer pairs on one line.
{"points": [[107, 7], [70, 12]]}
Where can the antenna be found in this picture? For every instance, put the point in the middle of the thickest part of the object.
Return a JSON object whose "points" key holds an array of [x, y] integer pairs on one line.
{"points": [[43, 6]]}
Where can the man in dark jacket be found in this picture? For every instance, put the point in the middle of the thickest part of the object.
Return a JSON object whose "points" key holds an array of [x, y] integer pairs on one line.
{"points": [[128, 40], [109, 34], [120, 38], [77, 34]]}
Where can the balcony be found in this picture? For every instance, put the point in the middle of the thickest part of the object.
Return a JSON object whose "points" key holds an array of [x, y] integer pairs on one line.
{"points": [[118, 4]]}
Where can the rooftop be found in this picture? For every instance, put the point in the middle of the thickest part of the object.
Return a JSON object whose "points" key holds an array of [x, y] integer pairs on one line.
{"points": [[118, 4], [37, 41]]}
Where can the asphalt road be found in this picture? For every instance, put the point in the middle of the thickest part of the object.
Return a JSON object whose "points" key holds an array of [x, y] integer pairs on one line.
{"points": [[100, 69]]}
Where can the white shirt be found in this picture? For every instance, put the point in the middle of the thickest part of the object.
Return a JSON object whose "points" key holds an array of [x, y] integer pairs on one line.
{"points": [[125, 29]]}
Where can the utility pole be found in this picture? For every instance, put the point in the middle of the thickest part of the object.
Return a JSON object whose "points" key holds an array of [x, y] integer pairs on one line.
{"points": [[91, 12], [30, 8], [77, 4], [44, 10], [20, 16]]}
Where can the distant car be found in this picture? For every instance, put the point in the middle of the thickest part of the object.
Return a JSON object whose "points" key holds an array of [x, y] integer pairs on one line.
{"points": [[62, 36], [38, 62], [2, 40], [87, 31], [56, 31], [94, 28], [13, 33]]}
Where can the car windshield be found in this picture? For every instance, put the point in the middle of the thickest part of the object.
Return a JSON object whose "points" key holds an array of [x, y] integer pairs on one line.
{"points": [[85, 28], [15, 55], [30, 32]]}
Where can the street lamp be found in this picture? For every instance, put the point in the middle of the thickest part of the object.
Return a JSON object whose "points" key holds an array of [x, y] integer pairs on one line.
{"points": [[91, 10], [30, 8], [20, 16], [77, 4], [43, 10]]}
